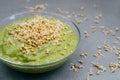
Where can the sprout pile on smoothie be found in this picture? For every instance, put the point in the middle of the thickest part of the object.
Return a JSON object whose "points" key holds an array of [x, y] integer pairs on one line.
{"points": [[37, 32], [36, 40]]}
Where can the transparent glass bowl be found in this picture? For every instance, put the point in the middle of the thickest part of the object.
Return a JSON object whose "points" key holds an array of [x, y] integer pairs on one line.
{"points": [[39, 68]]}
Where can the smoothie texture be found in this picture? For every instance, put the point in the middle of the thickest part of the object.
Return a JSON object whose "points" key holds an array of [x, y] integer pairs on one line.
{"points": [[36, 40]]}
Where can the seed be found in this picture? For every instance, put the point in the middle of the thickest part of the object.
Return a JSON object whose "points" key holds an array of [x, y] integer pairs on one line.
{"points": [[86, 34], [100, 15], [80, 61], [78, 20], [65, 48], [58, 44], [106, 46], [68, 16], [93, 29], [82, 7], [116, 29], [112, 67], [118, 65], [99, 67], [118, 53], [75, 67], [96, 21], [62, 53], [98, 72], [83, 54], [90, 72], [96, 17], [10, 33], [37, 7], [112, 32], [41, 7], [113, 48], [102, 27], [98, 53], [24, 52], [59, 10], [47, 51], [99, 47], [81, 66]]}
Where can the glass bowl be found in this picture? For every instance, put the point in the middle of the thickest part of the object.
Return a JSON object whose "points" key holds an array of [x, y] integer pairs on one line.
{"points": [[39, 68]]}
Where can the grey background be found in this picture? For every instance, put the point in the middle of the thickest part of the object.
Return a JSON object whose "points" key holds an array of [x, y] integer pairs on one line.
{"points": [[110, 10]]}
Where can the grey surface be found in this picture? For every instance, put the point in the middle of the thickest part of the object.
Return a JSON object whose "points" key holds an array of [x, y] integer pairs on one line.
{"points": [[110, 10]]}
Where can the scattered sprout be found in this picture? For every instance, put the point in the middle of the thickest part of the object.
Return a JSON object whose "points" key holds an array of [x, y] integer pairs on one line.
{"points": [[90, 72], [86, 34], [112, 67], [99, 67]]}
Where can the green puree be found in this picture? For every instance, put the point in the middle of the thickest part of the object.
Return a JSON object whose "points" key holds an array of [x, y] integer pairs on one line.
{"points": [[10, 47]]}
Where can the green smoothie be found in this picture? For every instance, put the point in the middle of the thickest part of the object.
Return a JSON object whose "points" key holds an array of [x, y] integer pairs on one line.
{"points": [[36, 40]]}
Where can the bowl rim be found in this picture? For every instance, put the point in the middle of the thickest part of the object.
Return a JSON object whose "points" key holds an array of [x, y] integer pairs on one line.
{"points": [[54, 14]]}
